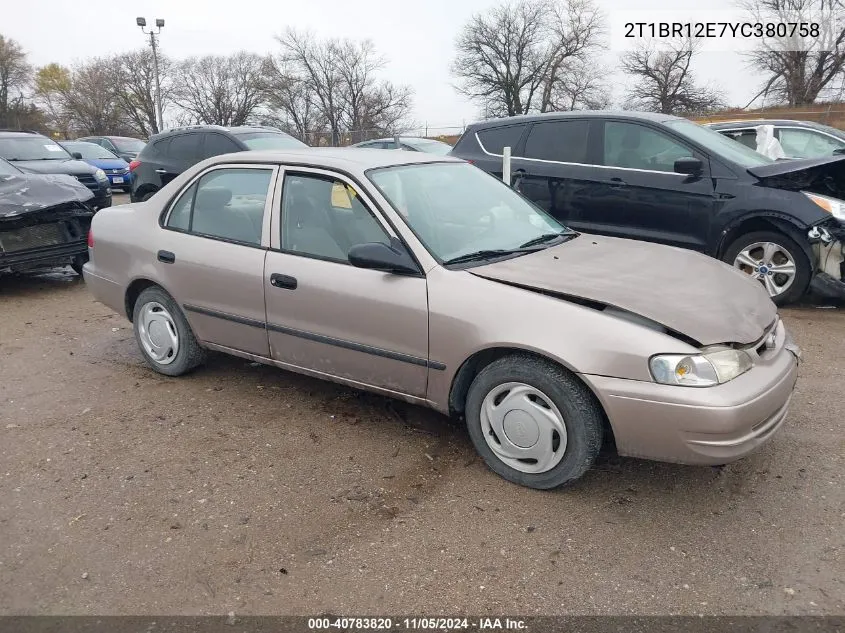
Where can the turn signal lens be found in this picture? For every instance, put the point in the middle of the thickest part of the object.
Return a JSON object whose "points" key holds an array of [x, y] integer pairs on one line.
{"points": [[90, 239], [834, 206]]}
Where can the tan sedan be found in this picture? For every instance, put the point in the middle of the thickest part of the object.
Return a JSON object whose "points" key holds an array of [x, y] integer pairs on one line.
{"points": [[422, 278]]}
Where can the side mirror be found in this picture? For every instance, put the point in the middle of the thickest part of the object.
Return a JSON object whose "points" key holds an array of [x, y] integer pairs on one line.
{"points": [[378, 256], [689, 165], [77, 155]]}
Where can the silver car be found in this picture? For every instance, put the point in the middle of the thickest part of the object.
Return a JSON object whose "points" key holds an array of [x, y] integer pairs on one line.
{"points": [[423, 278]]}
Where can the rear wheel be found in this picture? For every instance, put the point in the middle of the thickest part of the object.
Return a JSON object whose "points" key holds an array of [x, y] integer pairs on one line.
{"points": [[163, 334], [775, 260], [78, 262], [533, 422], [147, 195]]}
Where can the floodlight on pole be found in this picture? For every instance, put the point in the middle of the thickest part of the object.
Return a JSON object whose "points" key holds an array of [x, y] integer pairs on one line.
{"points": [[142, 22]]}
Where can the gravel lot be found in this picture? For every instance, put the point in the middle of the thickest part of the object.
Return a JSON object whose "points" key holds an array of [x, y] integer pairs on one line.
{"points": [[248, 489]]}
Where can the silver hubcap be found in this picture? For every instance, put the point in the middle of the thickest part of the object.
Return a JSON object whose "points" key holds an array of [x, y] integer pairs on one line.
{"points": [[523, 427], [158, 333], [770, 263]]}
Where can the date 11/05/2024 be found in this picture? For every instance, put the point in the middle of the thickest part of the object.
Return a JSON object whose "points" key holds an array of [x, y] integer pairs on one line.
{"points": [[422, 623], [714, 30]]}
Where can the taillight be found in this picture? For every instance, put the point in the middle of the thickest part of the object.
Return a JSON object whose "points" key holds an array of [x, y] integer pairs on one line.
{"points": [[90, 238], [134, 165]]}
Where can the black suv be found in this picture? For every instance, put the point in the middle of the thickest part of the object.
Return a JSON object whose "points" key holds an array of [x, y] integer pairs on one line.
{"points": [[168, 154], [665, 179], [35, 153]]}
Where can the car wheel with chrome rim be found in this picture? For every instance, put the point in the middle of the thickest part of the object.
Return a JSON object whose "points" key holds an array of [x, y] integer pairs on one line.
{"points": [[163, 334], [773, 259], [533, 422]]}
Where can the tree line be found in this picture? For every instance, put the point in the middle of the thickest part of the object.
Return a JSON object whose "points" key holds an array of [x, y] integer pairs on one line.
{"points": [[313, 88], [519, 57]]}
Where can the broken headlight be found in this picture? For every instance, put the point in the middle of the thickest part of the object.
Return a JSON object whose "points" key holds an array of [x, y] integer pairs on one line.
{"points": [[833, 206], [700, 370]]}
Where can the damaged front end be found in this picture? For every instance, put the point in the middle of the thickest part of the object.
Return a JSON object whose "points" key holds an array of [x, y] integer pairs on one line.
{"points": [[827, 241], [44, 222]]}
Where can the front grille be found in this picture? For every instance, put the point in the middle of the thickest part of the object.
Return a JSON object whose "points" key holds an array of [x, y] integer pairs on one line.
{"points": [[117, 172], [30, 237], [89, 181]]}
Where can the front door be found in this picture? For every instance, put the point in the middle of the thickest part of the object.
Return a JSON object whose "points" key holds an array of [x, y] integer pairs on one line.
{"points": [[211, 255], [640, 196], [327, 316]]}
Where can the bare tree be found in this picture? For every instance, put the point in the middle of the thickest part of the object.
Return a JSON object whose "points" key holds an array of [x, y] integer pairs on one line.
{"points": [[15, 76], [290, 105], [514, 58], [135, 90], [664, 82], [338, 80], [91, 99], [581, 87], [800, 77], [220, 90]]}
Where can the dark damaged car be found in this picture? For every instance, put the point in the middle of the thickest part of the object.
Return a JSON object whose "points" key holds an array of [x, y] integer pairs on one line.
{"points": [[44, 221], [664, 179]]}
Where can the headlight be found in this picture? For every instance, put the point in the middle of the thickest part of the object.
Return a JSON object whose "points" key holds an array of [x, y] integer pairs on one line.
{"points": [[700, 370], [833, 206], [100, 175]]}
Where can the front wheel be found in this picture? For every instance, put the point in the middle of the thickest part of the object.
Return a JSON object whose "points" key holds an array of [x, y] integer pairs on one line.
{"points": [[775, 260], [533, 422], [163, 334]]}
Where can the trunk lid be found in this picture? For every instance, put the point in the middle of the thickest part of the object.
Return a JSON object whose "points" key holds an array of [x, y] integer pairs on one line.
{"points": [[690, 293]]}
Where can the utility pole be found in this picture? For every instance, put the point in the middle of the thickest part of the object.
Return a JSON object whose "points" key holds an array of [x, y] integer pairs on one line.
{"points": [[142, 22]]}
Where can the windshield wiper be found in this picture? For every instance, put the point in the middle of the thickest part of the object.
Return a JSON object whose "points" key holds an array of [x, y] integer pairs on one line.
{"points": [[483, 254], [547, 237]]}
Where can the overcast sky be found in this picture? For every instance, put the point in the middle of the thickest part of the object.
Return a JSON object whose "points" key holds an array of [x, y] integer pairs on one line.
{"points": [[415, 36]]}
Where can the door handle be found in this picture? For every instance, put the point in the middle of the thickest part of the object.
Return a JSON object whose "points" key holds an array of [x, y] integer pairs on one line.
{"points": [[615, 183], [283, 281], [166, 257], [161, 171]]}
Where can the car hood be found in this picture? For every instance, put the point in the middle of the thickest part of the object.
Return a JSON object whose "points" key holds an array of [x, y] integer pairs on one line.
{"points": [[108, 163], [824, 176], [65, 166], [29, 193], [687, 292]]}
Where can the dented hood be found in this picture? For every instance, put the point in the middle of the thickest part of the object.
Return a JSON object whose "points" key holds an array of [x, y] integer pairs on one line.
{"points": [[825, 176], [28, 193], [687, 292]]}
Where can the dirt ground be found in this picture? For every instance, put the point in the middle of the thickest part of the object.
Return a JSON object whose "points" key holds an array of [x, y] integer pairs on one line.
{"points": [[248, 489]]}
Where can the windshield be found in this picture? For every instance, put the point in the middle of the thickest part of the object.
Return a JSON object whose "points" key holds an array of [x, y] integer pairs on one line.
{"points": [[269, 140], [456, 209], [127, 144], [7, 169], [31, 148], [89, 151], [429, 146], [719, 144]]}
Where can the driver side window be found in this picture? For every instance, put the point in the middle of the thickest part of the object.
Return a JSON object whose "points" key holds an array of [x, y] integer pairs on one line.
{"points": [[324, 217], [634, 146]]}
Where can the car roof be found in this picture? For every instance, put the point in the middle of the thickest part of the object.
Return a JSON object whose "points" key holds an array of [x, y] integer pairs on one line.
{"points": [[18, 133], [360, 158], [576, 114], [401, 138], [728, 125]]}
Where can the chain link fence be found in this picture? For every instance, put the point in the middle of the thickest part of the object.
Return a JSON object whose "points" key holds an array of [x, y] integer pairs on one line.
{"points": [[323, 138]]}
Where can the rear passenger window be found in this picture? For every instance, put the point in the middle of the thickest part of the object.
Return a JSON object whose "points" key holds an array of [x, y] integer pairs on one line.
{"points": [[162, 146], [746, 137], [216, 144], [495, 140], [563, 141], [225, 203], [185, 147]]}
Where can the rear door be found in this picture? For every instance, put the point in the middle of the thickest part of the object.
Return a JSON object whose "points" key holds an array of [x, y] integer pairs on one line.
{"points": [[183, 151], [327, 316], [640, 196], [211, 254], [553, 168]]}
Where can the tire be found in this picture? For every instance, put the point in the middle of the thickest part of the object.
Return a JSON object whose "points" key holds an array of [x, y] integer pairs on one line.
{"points": [[147, 196], [163, 320], [561, 395], [785, 248]]}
